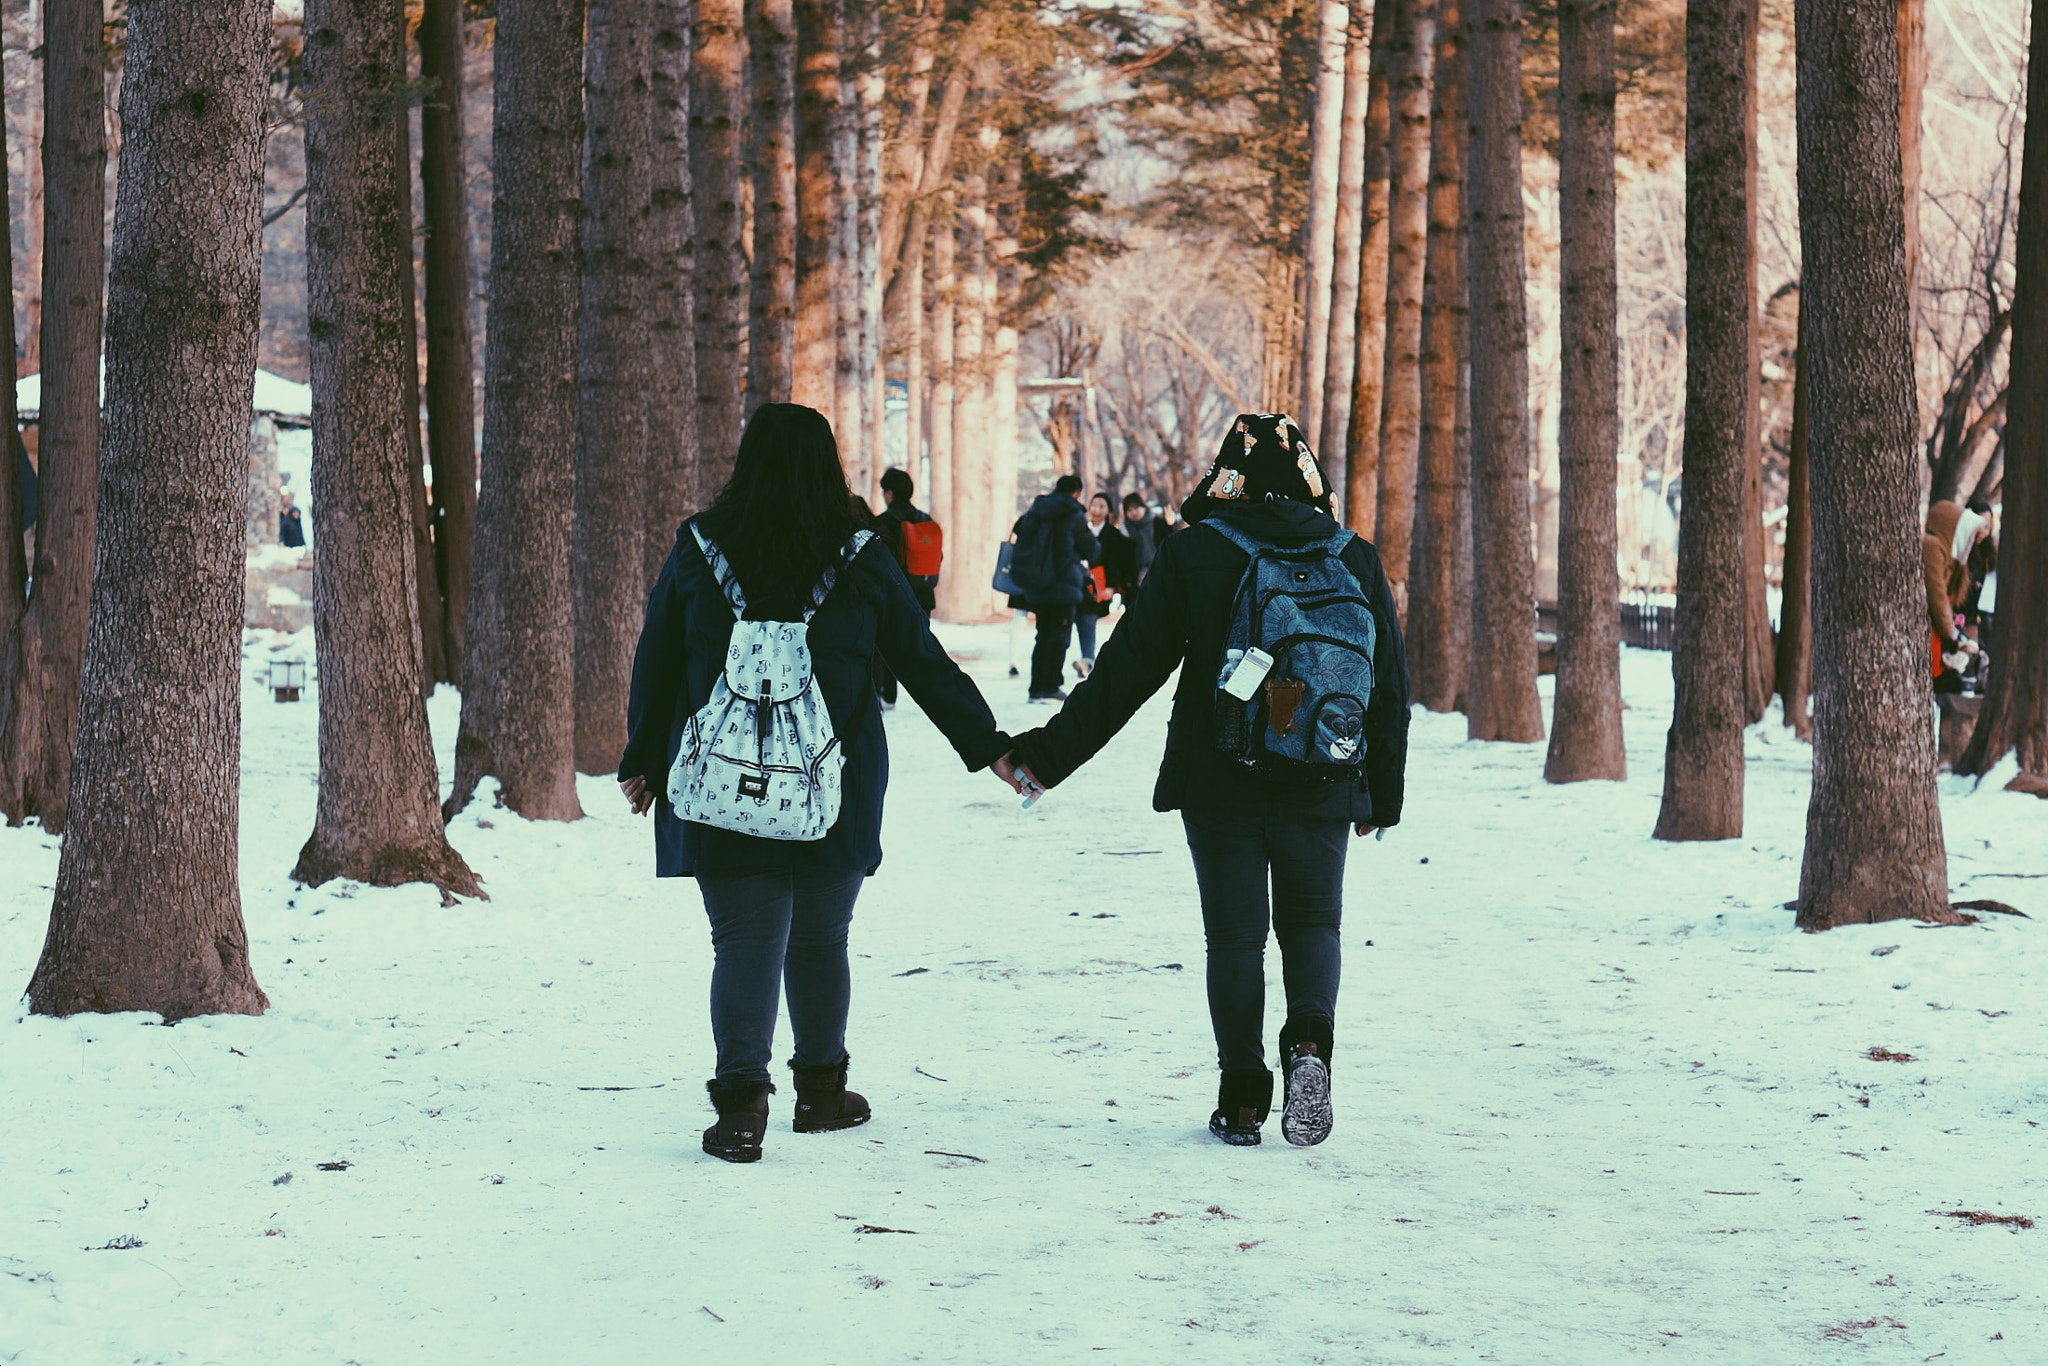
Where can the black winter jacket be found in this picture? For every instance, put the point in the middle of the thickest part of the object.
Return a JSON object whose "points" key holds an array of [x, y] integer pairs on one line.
{"points": [[1180, 617], [1053, 534], [870, 611]]}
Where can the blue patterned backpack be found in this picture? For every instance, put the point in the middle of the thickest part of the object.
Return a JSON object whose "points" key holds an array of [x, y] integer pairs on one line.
{"points": [[761, 757]]}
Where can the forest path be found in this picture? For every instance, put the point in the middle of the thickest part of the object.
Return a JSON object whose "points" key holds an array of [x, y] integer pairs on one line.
{"points": [[1595, 1098]]}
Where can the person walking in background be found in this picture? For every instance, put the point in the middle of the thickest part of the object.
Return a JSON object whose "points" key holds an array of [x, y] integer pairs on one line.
{"points": [[1945, 549], [918, 543], [1050, 566], [779, 546], [1119, 557], [1095, 592], [291, 529], [1141, 529], [1289, 730]]}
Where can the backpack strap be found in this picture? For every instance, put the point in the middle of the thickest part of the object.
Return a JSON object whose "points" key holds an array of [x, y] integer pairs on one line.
{"points": [[857, 543], [728, 582]]}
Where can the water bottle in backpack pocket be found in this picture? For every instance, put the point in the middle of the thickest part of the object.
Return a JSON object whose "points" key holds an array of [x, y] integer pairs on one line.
{"points": [[1305, 609]]}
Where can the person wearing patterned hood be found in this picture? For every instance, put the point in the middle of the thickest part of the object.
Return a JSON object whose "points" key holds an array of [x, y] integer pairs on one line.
{"points": [[1249, 830], [1952, 533]]}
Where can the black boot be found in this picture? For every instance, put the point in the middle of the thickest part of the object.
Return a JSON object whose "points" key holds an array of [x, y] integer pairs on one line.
{"points": [[1305, 1055], [1243, 1101], [742, 1119], [823, 1103]]}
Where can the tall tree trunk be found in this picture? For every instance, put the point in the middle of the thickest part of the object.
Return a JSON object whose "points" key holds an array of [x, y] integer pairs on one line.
{"points": [[1440, 606], [42, 722], [1368, 374], [2015, 714], [1342, 366], [1759, 645], [1412, 54], [147, 913], [430, 617], [1873, 826], [1501, 698], [1703, 768], [451, 359], [13, 568], [1912, 21], [974, 500], [1005, 285], [669, 406], [1319, 231], [518, 690], [771, 91], [32, 210], [869, 92], [958, 588], [1794, 679], [820, 33], [379, 816], [613, 327], [718, 55], [1585, 731], [908, 335]]}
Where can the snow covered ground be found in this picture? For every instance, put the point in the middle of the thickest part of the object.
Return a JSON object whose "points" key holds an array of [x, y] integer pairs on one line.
{"points": [[1596, 1099]]}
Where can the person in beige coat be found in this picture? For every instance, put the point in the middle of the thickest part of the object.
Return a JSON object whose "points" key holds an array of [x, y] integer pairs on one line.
{"points": [[1952, 532]]}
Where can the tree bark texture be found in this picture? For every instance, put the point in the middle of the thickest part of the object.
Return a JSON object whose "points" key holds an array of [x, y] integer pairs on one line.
{"points": [[974, 495], [718, 53], [1794, 681], [1585, 726], [1440, 593], [451, 354], [612, 346], [1501, 698], [669, 407], [518, 692], [1319, 231], [820, 32], [2015, 714], [379, 816], [1412, 52], [1368, 371], [147, 913], [13, 569], [956, 591], [771, 127], [1873, 826], [1703, 764], [41, 724], [430, 618], [869, 93], [1759, 673], [1342, 366]]}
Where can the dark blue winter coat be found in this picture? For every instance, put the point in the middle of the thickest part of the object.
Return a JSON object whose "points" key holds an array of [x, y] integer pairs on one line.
{"points": [[1054, 547], [870, 611], [1180, 617]]}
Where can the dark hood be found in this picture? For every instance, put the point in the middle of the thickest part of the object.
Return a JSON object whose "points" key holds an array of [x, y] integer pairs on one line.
{"points": [[1053, 507], [1280, 522]]}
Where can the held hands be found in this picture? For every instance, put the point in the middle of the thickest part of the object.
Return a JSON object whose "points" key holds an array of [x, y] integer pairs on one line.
{"points": [[1018, 778], [638, 794]]}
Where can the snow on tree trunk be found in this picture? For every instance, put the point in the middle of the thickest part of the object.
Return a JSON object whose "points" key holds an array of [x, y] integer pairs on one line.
{"points": [[669, 408], [1342, 365], [814, 379], [37, 741], [2015, 714], [1501, 700], [718, 51], [1368, 371], [1440, 583], [518, 692], [1585, 729], [147, 913], [1411, 51], [1873, 826], [379, 818], [1703, 767], [451, 354], [771, 128], [1319, 231], [614, 324]]}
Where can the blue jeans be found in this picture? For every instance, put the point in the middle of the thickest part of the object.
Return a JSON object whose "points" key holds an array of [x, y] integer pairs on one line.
{"points": [[1084, 626], [777, 932], [1236, 854]]}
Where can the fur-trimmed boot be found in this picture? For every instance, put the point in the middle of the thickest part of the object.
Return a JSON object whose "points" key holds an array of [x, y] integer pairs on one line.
{"points": [[823, 1103], [742, 1119], [1305, 1054], [1243, 1100]]}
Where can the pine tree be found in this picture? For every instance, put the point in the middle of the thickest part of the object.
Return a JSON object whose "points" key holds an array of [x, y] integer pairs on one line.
{"points": [[1319, 232], [820, 34], [147, 913], [1412, 51], [670, 406], [771, 128], [718, 54]]}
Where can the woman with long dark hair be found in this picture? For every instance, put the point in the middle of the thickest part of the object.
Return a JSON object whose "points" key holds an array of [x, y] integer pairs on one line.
{"points": [[783, 529]]}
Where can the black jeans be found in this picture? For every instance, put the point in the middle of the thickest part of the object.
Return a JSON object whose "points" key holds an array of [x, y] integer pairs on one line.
{"points": [[1049, 652], [1236, 854], [885, 678], [773, 932]]}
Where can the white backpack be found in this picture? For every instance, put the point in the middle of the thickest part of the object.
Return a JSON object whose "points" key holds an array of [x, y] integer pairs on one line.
{"points": [[760, 758]]}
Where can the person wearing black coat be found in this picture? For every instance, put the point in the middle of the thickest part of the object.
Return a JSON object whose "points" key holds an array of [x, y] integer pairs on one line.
{"points": [[1246, 831], [780, 910], [1051, 565]]}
